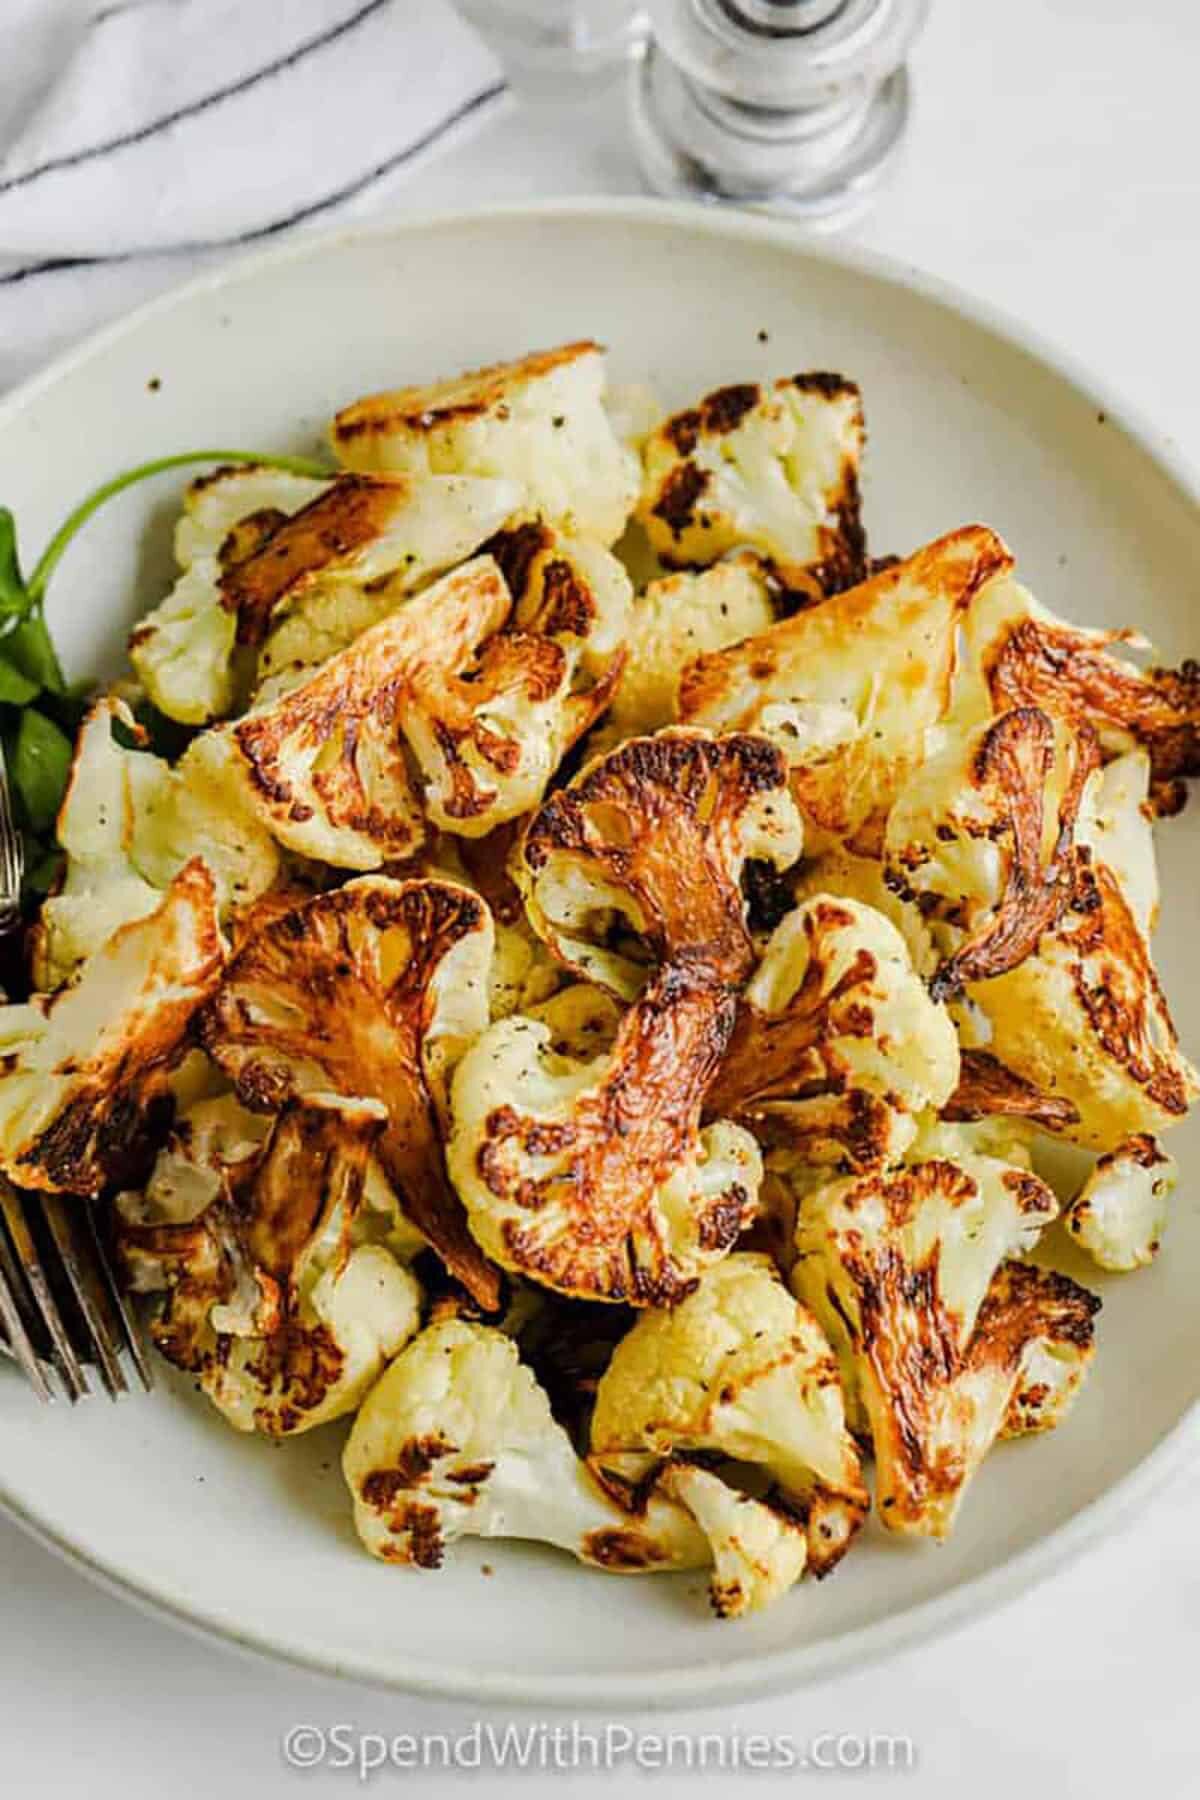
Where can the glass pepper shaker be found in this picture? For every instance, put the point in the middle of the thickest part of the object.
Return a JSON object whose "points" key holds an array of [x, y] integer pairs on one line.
{"points": [[797, 104]]}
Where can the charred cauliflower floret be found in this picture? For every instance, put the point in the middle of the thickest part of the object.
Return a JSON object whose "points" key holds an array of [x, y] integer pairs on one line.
{"points": [[848, 689], [838, 1046], [270, 1297], [357, 533], [676, 620], [982, 837], [247, 499], [370, 991], [128, 824], [540, 422], [1084, 1017], [742, 1371], [840, 872], [1016, 653], [436, 711], [759, 1552], [988, 1089], [490, 731], [85, 1069], [650, 841], [183, 650], [773, 468], [457, 1439], [594, 1177], [1115, 821], [1120, 1213], [938, 1332]]}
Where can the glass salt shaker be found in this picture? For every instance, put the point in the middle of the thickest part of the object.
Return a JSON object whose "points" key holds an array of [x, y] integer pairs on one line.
{"points": [[795, 104]]}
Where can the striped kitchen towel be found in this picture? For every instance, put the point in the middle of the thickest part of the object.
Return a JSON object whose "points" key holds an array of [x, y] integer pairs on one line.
{"points": [[147, 132]]}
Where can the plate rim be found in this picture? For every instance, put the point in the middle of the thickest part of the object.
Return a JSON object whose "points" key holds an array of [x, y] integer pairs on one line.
{"points": [[729, 1678]]}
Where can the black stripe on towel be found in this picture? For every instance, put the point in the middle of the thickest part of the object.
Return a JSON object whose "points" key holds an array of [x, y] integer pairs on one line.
{"points": [[74, 158], [349, 192]]}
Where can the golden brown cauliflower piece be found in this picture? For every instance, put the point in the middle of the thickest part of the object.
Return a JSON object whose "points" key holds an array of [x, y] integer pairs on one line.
{"points": [[774, 469], [437, 711], [1120, 1213], [539, 422], [740, 1370], [594, 1177], [652, 840], [848, 689], [249, 1230], [982, 837], [1084, 1017], [86, 1070], [372, 991], [457, 1439], [837, 1047], [1016, 653], [326, 558], [939, 1334], [674, 621], [128, 823]]}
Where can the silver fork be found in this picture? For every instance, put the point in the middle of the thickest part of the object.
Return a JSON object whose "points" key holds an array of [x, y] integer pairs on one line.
{"points": [[61, 1306]]}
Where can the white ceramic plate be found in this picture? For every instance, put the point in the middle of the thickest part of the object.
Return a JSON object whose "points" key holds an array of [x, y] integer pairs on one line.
{"points": [[968, 421]]}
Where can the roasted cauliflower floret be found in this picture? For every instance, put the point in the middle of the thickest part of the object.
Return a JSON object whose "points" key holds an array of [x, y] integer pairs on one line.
{"points": [[435, 711], [594, 1177], [1115, 823], [183, 649], [540, 422], [1016, 653], [838, 1046], [771, 468], [937, 1331], [676, 620], [848, 689], [759, 1552], [651, 840], [982, 837], [270, 1295], [489, 733], [372, 991], [987, 1090], [741, 1370], [1084, 1017], [247, 500], [457, 1439], [128, 824], [1120, 1213], [358, 533], [840, 872], [85, 1070]]}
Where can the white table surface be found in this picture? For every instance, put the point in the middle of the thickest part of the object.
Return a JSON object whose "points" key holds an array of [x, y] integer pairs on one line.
{"points": [[1054, 166]]}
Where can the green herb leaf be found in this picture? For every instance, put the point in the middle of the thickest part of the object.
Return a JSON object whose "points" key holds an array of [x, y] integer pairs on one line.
{"points": [[41, 763], [15, 689], [29, 648], [43, 863], [13, 597]]}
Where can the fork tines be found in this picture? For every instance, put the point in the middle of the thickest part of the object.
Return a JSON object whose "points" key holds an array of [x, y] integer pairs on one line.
{"points": [[61, 1308]]}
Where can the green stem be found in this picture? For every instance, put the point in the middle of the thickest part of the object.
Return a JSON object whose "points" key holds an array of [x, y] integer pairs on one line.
{"points": [[51, 556]]}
